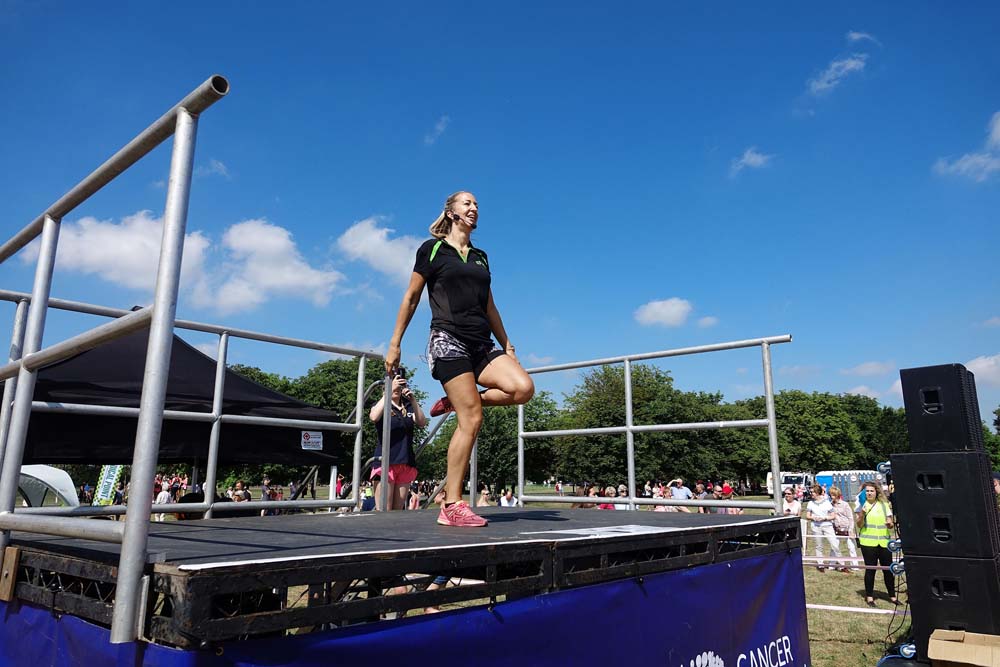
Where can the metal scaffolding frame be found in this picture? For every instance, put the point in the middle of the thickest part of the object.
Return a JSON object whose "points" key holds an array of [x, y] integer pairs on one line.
{"points": [[26, 357], [630, 429]]}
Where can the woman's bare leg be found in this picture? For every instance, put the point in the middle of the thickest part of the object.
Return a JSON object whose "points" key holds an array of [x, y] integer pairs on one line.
{"points": [[506, 383], [399, 494], [464, 397]]}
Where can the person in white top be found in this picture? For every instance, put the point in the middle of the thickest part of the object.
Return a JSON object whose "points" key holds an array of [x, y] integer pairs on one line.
{"points": [[844, 525], [820, 512], [162, 498], [508, 499], [791, 506]]}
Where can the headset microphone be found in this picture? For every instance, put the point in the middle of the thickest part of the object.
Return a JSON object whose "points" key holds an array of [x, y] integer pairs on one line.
{"points": [[470, 224]]}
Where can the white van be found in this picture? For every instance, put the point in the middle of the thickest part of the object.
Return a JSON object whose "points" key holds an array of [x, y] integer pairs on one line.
{"points": [[790, 480]]}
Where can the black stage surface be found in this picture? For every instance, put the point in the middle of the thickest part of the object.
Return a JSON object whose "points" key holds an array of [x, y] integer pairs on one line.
{"points": [[230, 578]]}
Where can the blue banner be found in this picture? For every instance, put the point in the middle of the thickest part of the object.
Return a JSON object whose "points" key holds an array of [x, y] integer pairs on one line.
{"points": [[744, 613]]}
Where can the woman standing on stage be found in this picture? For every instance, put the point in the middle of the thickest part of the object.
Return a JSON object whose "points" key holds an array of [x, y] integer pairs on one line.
{"points": [[875, 522], [460, 351], [405, 413]]}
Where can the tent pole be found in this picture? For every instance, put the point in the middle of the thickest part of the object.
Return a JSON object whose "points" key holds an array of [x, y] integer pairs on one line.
{"points": [[212, 466]]}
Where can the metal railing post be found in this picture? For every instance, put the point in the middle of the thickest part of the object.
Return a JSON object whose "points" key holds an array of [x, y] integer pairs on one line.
{"points": [[772, 425], [520, 452], [10, 385], [21, 412], [212, 466], [474, 473], [629, 435], [630, 429], [125, 620], [383, 489], [359, 418]]}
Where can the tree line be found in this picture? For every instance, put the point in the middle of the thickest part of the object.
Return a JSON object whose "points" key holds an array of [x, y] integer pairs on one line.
{"points": [[816, 430]]}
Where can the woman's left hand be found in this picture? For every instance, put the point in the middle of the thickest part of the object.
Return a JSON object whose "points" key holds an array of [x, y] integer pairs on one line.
{"points": [[510, 352]]}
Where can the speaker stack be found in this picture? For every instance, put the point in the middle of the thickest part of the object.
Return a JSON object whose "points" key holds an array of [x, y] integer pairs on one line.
{"points": [[947, 508]]}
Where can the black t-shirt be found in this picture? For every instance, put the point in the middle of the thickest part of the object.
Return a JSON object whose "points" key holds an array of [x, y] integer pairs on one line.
{"points": [[459, 289], [400, 439]]}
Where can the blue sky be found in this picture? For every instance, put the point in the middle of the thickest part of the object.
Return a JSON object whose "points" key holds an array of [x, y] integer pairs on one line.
{"points": [[649, 176]]}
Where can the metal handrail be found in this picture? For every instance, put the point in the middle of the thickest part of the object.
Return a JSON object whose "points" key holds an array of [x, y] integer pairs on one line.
{"points": [[27, 356], [208, 93], [630, 429]]}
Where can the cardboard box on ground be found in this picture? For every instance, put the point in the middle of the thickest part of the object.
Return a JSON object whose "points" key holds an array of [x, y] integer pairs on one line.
{"points": [[957, 648]]}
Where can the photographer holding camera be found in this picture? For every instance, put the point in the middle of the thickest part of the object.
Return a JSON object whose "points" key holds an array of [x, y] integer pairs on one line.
{"points": [[405, 414]]}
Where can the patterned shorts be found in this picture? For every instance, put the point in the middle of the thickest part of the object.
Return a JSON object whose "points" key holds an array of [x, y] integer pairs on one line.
{"points": [[448, 357]]}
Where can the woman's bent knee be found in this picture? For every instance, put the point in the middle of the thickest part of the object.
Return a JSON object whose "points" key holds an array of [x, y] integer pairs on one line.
{"points": [[524, 390]]}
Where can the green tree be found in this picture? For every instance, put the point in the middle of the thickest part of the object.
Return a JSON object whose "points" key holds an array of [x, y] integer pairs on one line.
{"points": [[882, 430], [815, 432], [497, 443], [600, 402], [992, 443]]}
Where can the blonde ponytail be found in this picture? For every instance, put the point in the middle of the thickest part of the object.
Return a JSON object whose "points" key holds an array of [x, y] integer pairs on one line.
{"points": [[440, 227]]}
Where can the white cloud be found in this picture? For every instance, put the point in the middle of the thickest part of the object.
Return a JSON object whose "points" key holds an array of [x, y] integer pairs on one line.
{"points": [[124, 253], [896, 389], [870, 368], [671, 312], [741, 371], [370, 243], [708, 321], [213, 168], [751, 159], [799, 371], [439, 127], [993, 132], [992, 322], [855, 36], [977, 166], [208, 349], [986, 369], [534, 359], [864, 390], [835, 72], [262, 262]]}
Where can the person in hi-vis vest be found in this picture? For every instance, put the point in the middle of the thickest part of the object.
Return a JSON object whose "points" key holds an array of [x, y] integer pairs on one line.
{"points": [[875, 523]]}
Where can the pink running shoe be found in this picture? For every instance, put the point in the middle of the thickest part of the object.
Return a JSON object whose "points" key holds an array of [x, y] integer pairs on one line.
{"points": [[441, 407], [459, 514]]}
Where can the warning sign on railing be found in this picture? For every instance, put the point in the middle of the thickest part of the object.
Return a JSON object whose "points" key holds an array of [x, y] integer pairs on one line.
{"points": [[312, 440]]}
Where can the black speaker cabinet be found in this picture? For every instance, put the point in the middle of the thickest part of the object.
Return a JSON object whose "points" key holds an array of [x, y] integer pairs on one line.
{"points": [[942, 410], [946, 505], [952, 594]]}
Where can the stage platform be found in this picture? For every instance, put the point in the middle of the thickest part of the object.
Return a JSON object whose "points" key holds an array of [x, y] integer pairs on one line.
{"points": [[220, 580]]}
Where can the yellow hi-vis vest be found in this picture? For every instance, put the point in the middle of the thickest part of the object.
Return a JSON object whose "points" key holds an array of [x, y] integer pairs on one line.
{"points": [[874, 531]]}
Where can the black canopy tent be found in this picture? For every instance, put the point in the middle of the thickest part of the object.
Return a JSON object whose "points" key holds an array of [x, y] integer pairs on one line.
{"points": [[111, 374]]}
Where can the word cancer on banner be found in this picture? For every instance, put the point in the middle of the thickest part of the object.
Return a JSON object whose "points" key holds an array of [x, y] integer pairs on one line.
{"points": [[105, 492]]}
